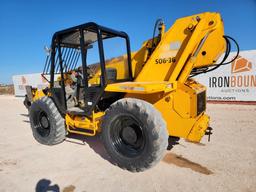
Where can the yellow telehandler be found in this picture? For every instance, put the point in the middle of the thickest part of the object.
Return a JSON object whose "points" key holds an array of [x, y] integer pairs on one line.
{"points": [[135, 101]]}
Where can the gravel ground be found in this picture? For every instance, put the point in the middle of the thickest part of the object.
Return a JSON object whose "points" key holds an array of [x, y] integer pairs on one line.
{"points": [[80, 164]]}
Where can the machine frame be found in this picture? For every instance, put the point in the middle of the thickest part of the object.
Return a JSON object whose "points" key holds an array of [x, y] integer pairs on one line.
{"points": [[151, 100]]}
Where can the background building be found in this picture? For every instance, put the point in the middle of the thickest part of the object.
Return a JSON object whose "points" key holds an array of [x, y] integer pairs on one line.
{"points": [[20, 81]]}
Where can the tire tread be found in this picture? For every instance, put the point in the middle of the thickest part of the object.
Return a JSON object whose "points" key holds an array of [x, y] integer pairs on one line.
{"points": [[156, 127], [58, 131]]}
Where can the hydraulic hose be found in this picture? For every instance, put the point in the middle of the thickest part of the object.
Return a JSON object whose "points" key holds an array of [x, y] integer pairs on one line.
{"points": [[197, 71]]}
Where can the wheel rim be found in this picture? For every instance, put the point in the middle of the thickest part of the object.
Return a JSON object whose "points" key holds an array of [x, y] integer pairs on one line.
{"points": [[127, 136], [43, 124]]}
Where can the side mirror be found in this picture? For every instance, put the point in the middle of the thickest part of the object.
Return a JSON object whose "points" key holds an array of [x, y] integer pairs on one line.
{"points": [[47, 50]]}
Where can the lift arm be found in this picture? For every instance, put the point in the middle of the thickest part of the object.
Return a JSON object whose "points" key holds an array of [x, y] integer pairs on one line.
{"points": [[194, 41]]}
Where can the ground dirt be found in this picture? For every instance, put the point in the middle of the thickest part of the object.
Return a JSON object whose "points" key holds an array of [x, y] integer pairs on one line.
{"points": [[80, 164]]}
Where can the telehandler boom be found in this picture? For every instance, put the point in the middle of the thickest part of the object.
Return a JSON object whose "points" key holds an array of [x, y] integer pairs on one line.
{"points": [[135, 101]]}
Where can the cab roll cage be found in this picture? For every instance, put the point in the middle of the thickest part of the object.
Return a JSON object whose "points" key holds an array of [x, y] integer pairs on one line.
{"points": [[73, 39]]}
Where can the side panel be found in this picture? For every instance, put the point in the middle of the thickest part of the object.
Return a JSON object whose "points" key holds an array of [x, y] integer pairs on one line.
{"points": [[179, 110]]}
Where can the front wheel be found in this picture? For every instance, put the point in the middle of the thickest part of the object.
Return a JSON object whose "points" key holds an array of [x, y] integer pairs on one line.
{"points": [[134, 134]]}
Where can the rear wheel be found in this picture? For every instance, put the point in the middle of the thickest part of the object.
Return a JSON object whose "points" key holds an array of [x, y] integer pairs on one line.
{"points": [[46, 122], [26, 102], [134, 134]]}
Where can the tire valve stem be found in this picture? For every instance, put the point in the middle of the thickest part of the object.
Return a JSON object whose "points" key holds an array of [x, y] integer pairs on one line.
{"points": [[209, 133]]}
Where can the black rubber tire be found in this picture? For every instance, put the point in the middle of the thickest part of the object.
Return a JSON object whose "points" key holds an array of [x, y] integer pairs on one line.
{"points": [[26, 102], [151, 124], [55, 132]]}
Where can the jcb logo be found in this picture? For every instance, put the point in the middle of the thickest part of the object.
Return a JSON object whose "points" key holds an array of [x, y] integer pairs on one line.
{"points": [[241, 65]]}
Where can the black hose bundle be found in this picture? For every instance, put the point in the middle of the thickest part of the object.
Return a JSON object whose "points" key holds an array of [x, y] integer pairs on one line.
{"points": [[157, 23], [197, 71]]}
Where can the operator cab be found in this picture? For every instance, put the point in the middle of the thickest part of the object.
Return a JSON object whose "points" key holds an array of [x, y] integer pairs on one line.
{"points": [[82, 60]]}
